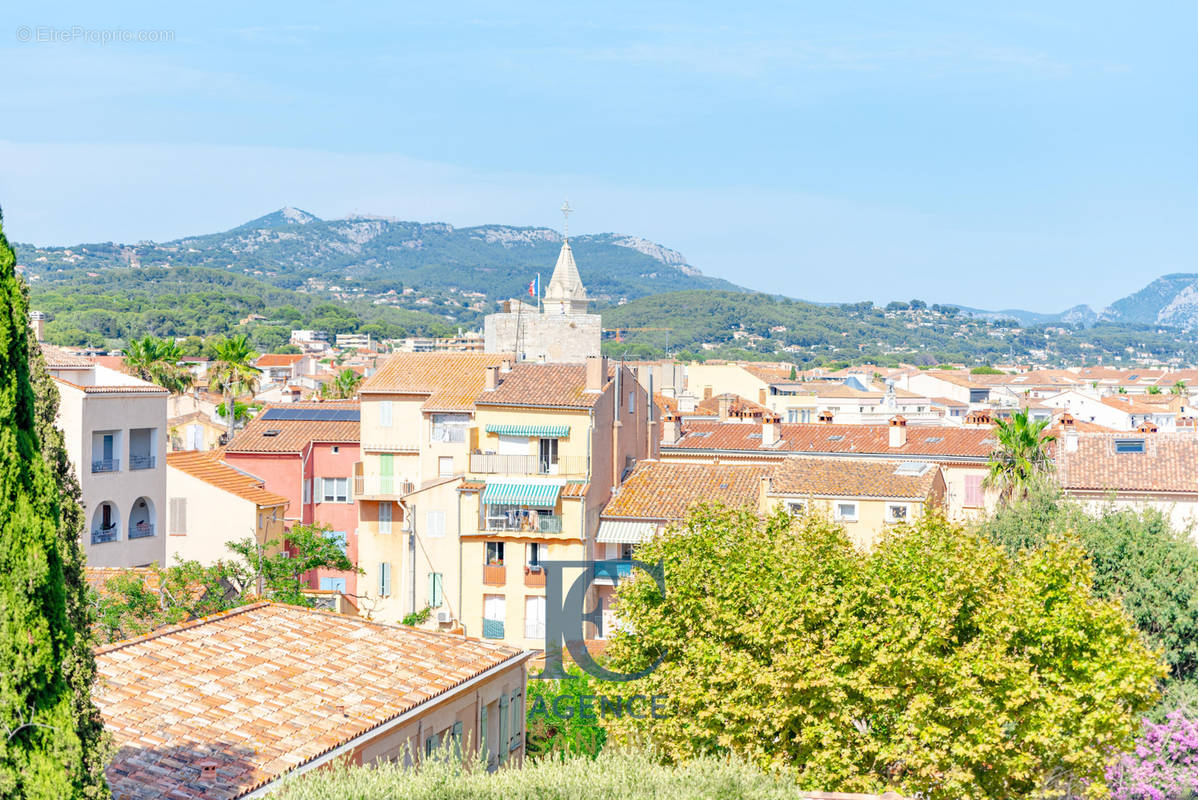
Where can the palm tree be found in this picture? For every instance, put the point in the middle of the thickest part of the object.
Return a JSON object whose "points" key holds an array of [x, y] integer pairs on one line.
{"points": [[1179, 388], [1020, 456], [343, 386], [232, 374], [159, 361], [1154, 390]]}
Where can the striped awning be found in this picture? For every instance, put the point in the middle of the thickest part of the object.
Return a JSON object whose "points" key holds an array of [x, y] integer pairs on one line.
{"points": [[543, 431], [625, 532], [541, 495]]}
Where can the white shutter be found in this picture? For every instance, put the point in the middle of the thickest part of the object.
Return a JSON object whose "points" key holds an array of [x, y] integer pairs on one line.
{"points": [[178, 516], [434, 524], [385, 414], [385, 518]]}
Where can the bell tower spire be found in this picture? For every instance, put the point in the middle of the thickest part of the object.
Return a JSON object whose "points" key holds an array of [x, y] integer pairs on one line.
{"points": [[565, 293]]}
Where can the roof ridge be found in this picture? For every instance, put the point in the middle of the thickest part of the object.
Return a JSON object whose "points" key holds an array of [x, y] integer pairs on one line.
{"points": [[180, 626]]}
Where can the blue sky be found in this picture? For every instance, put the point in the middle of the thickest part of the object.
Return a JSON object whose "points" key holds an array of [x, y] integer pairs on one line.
{"points": [[1015, 155]]}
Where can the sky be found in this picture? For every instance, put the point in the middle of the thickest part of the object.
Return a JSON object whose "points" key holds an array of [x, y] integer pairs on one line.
{"points": [[1013, 155]]}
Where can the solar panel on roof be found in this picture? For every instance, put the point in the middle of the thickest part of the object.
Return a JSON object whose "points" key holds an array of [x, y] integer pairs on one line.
{"points": [[313, 414]]}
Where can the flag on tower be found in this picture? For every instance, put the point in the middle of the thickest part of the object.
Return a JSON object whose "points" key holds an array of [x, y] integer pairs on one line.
{"points": [[534, 288]]}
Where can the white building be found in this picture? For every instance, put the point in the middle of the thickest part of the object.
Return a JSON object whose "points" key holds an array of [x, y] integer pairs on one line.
{"points": [[114, 426]]}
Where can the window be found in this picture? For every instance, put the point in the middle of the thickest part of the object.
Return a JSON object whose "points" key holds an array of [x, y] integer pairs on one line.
{"points": [[307, 491], [631, 402], [436, 597], [795, 507], [495, 553], [534, 554], [385, 579], [332, 585], [973, 491], [897, 512], [334, 490], [385, 414], [792, 415], [178, 516], [547, 461], [846, 512], [494, 616], [534, 617], [434, 524], [445, 466], [336, 449], [1129, 445], [450, 427], [806, 415], [337, 538], [384, 518]]}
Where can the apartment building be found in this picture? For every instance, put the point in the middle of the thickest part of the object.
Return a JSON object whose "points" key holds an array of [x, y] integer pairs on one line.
{"points": [[475, 469], [961, 452], [211, 503], [306, 452], [114, 426]]}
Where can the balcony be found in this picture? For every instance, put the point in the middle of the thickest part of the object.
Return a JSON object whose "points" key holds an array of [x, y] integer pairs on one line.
{"points": [[104, 534], [391, 447], [492, 629], [498, 464], [380, 487], [106, 465], [607, 573], [141, 530], [545, 523], [534, 577], [140, 462], [494, 575]]}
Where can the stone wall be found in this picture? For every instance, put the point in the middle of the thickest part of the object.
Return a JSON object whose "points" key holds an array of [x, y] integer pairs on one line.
{"points": [[558, 338]]}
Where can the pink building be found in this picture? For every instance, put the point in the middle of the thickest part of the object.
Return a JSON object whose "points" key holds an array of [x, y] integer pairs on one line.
{"points": [[306, 452]]}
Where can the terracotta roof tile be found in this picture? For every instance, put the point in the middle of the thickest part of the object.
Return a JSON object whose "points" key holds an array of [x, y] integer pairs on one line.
{"points": [[931, 442], [826, 477], [208, 467], [1169, 463], [278, 359], [665, 490], [553, 385], [57, 357], [261, 690], [451, 381], [294, 435]]}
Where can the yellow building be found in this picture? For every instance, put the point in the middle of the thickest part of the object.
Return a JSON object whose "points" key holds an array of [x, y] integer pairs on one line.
{"points": [[475, 469]]}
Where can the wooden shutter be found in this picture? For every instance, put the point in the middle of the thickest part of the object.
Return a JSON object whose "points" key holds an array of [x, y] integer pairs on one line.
{"points": [[178, 516]]}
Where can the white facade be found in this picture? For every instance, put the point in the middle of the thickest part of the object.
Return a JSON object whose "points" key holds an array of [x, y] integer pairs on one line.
{"points": [[114, 427]]}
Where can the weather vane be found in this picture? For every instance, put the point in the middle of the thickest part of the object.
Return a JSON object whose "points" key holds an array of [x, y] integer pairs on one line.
{"points": [[566, 213]]}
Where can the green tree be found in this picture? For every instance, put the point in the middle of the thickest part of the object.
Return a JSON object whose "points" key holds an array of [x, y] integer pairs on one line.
{"points": [[1139, 561], [935, 665], [1021, 455], [79, 663], [1179, 388], [41, 750], [560, 721], [343, 387], [232, 373], [130, 605], [159, 361], [985, 369], [1154, 390]]}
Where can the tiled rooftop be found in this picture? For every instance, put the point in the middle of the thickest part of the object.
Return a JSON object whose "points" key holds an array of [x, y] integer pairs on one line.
{"points": [[292, 436], [665, 490], [450, 380], [826, 477], [57, 357], [206, 465], [933, 442], [552, 385], [261, 690], [1168, 463]]}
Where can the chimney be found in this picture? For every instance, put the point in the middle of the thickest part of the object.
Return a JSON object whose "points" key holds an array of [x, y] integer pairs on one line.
{"points": [[541, 358], [725, 405], [596, 373], [671, 429], [1066, 420], [979, 417], [825, 416], [898, 432], [492, 378], [771, 429], [507, 365], [1147, 427]]}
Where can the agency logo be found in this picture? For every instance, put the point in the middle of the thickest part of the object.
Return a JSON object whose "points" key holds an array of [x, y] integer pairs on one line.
{"points": [[565, 614]]}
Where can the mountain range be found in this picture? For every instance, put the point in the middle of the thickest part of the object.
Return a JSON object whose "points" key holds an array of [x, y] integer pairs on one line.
{"points": [[370, 255]]}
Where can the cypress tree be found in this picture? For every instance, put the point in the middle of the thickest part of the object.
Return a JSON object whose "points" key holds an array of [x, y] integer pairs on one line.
{"points": [[41, 754], [79, 663]]}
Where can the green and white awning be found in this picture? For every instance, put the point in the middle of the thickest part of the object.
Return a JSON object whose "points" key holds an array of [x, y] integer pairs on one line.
{"points": [[625, 532], [540, 495], [540, 431]]}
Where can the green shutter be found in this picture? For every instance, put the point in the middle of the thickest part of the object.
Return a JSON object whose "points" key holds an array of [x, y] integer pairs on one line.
{"points": [[434, 589]]}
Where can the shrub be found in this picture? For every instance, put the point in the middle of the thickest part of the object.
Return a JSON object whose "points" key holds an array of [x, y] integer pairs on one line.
{"points": [[1164, 764]]}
